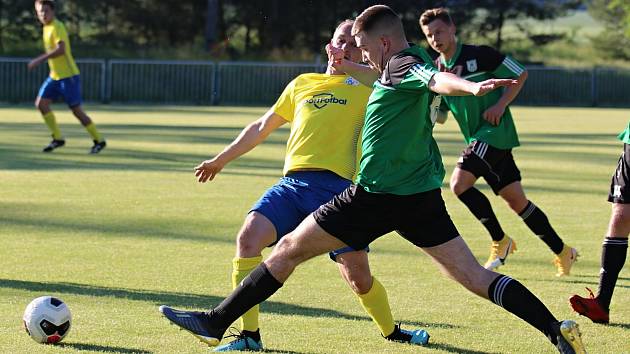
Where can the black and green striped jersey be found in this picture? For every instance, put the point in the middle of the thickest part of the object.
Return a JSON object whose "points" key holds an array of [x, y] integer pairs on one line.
{"points": [[479, 63], [399, 154], [625, 135]]}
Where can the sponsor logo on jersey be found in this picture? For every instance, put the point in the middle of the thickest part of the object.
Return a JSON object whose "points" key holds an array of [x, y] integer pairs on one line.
{"points": [[617, 191], [323, 99], [471, 65], [352, 81]]}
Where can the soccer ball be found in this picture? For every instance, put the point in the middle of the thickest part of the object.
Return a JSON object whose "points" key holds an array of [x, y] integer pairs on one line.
{"points": [[47, 320]]}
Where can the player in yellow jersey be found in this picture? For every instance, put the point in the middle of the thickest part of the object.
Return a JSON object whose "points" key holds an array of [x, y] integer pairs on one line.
{"points": [[326, 112], [64, 79]]}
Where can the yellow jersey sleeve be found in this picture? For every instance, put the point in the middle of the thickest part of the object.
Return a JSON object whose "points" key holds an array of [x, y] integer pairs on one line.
{"points": [[63, 66], [285, 105], [326, 114]]}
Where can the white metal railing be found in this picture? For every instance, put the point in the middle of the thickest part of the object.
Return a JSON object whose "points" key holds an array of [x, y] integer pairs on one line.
{"points": [[259, 83]]}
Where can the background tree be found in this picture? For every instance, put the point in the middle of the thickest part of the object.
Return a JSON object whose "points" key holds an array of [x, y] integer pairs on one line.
{"points": [[614, 41]]}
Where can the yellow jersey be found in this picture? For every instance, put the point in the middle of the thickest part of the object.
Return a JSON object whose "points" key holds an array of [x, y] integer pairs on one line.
{"points": [[63, 66], [326, 113]]}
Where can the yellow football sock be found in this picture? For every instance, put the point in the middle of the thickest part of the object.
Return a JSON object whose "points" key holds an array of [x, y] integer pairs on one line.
{"points": [[376, 304], [51, 122], [241, 267], [91, 128]]}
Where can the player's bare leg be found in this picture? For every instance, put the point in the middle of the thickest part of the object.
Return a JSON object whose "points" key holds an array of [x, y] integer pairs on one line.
{"points": [[456, 261]]}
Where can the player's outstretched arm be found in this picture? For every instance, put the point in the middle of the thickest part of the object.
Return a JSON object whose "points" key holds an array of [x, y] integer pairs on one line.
{"points": [[252, 135], [59, 50], [363, 73], [451, 85]]}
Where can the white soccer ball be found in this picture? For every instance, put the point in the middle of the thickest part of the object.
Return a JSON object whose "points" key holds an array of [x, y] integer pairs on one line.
{"points": [[47, 319]]}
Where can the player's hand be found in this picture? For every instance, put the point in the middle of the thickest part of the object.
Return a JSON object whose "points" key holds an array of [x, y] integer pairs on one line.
{"points": [[493, 114], [484, 87], [207, 170], [335, 55], [33, 64]]}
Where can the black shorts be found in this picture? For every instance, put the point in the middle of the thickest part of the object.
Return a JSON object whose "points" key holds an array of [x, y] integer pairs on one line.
{"points": [[496, 166], [358, 217], [619, 186]]}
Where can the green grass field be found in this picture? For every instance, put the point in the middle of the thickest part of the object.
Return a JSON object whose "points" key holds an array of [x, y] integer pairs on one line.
{"points": [[117, 234]]}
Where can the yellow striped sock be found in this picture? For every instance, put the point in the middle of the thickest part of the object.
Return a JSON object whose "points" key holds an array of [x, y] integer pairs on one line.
{"points": [[376, 304], [241, 267], [51, 122], [91, 128]]}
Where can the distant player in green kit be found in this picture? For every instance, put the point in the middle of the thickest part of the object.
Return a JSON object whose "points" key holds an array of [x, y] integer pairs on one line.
{"points": [[488, 128], [64, 80], [615, 245]]}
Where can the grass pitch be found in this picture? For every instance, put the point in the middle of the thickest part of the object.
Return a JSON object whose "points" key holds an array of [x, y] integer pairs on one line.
{"points": [[117, 234]]}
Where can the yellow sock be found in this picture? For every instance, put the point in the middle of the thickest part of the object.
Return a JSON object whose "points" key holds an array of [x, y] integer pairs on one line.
{"points": [[51, 122], [91, 128], [240, 268], [376, 304]]}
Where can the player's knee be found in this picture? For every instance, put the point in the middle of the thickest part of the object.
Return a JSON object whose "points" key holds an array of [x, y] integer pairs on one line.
{"points": [[360, 283], [457, 187], [41, 104], [248, 245], [286, 249]]}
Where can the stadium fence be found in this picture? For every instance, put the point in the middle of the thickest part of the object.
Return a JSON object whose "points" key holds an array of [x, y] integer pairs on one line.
{"points": [[260, 83]]}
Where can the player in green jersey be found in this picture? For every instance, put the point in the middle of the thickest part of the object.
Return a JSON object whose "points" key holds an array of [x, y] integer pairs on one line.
{"points": [[615, 245], [398, 189], [488, 128]]}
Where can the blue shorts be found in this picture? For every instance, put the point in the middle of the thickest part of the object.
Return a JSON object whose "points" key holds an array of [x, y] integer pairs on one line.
{"points": [[295, 196], [68, 88]]}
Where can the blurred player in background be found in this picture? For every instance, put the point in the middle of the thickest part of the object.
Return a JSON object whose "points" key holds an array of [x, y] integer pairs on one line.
{"points": [[615, 245], [64, 80], [488, 128], [326, 112]]}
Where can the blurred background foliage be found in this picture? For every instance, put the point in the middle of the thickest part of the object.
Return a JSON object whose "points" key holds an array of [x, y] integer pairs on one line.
{"points": [[559, 32]]}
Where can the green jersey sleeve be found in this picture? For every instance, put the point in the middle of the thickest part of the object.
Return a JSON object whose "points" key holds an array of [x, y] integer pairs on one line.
{"points": [[508, 69], [417, 77]]}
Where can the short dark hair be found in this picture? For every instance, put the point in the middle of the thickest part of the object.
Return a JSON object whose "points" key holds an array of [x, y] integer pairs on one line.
{"points": [[49, 3], [376, 16], [431, 15]]}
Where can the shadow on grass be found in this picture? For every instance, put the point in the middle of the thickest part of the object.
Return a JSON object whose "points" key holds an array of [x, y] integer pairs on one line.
{"points": [[619, 325], [452, 349], [182, 299], [573, 281], [101, 348]]}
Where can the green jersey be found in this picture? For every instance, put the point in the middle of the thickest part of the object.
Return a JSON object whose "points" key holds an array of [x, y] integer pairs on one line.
{"points": [[399, 154], [625, 135], [479, 63]]}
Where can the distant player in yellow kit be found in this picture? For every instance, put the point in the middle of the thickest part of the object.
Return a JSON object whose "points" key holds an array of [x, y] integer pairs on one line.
{"points": [[326, 113], [64, 79]]}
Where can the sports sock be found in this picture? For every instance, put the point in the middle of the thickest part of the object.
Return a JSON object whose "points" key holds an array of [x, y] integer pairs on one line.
{"points": [[255, 335], [51, 122], [480, 206], [241, 267], [91, 129], [376, 304], [538, 222], [254, 289], [613, 258], [515, 298]]}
